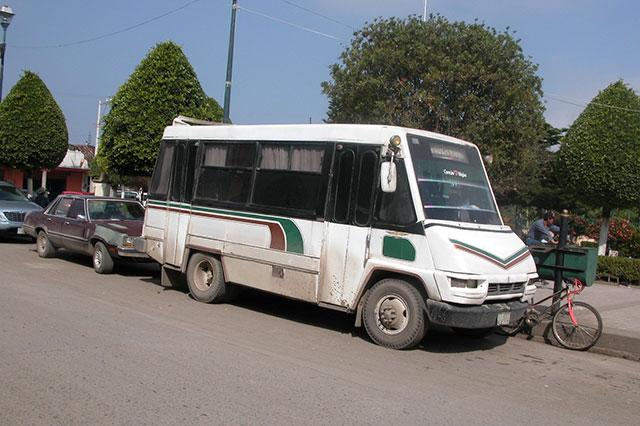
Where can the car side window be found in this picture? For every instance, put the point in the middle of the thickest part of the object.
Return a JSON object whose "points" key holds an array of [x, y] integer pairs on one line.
{"points": [[62, 209], [53, 206], [76, 209]]}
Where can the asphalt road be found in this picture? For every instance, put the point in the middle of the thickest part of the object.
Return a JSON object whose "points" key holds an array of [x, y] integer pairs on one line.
{"points": [[81, 348]]}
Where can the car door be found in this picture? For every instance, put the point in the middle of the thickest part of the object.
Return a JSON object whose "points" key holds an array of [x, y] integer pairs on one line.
{"points": [[54, 219], [74, 227]]}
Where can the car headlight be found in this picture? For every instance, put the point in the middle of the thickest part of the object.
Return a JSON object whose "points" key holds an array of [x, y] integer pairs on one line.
{"points": [[459, 283], [128, 242], [3, 218]]}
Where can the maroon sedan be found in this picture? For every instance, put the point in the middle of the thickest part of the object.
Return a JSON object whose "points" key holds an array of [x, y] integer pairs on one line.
{"points": [[105, 228]]}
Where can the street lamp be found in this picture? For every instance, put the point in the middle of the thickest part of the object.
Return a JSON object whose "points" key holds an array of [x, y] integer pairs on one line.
{"points": [[5, 19]]}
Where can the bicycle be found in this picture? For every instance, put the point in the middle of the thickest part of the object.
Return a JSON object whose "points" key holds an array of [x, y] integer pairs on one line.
{"points": [[575, 325]]}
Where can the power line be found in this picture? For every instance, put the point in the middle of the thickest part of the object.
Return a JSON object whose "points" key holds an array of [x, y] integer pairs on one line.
{"points": [[313, 12], [113, 33], [576, 103], [282, 21]]}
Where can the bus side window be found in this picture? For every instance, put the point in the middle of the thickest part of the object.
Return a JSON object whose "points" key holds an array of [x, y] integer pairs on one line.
{"points": [[159, 187], [190, 172], [344, 178], [396, 208], [367, 172], [290, 178], [225, 173], [177, 190]]}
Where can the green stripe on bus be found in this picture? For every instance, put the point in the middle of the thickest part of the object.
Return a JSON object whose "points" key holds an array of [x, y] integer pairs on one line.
{"points": [[491, 255], [398, 248], [293, 236]]}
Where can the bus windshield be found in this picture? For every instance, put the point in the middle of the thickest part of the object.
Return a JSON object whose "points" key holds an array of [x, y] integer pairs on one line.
{"points": [[452, 182]]}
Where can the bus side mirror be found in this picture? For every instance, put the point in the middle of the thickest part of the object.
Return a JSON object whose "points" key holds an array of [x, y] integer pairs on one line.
{"points": [[388, 176]]}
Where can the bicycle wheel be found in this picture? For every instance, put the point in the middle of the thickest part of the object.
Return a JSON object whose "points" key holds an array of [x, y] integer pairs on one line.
{"points": [[578, 337]]}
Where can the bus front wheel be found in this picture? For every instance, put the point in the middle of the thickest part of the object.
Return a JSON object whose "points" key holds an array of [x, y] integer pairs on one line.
{"points": [[394, 314], [205, 278]]}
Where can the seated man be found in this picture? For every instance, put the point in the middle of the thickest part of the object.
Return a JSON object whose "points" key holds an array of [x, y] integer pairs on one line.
{"points": [[542, 230]]}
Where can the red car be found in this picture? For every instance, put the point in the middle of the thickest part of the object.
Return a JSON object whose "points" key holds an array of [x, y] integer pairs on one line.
{"points": [[105, 228]]}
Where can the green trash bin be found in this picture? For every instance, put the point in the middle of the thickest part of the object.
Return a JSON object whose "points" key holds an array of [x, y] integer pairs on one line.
{"points": [[579, 262]]}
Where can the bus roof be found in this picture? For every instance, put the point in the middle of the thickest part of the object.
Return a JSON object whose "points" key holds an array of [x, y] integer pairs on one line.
{"points": [[347, 133]]}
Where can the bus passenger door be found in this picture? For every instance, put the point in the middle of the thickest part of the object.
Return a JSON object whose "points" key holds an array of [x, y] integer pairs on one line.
{"points": [[348, 224], [178, 203]]}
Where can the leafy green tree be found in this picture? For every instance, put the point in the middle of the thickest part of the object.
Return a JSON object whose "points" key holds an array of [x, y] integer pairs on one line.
{"points": [[163, 86], [548, 194], [464, 80], [33, 130], [600, 155]]}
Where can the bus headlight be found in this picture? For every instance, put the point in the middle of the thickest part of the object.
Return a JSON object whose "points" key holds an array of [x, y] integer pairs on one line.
{"points": [[459, 283]]}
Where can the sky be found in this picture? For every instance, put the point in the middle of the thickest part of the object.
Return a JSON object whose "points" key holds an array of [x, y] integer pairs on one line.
{"points": [[283, 52]]}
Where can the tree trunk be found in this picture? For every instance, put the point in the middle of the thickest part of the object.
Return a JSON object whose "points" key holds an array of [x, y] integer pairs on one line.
{"points": [[604, 231]]}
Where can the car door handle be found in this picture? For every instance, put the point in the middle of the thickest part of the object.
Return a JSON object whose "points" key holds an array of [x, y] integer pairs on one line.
{"points": [[66, 223], [48, 219]]}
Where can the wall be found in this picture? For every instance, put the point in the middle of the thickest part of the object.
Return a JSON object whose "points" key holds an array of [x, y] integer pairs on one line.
{"points": [[14, 176], [74, 182]]}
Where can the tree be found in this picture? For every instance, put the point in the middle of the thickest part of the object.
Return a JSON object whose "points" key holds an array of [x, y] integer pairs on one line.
{"points": [[600, 154], [163, 86], [33, 130], [464, 80]]}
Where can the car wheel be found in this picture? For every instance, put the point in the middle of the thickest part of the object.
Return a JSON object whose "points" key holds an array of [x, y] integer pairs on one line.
{"points": [[44, 246], [394, 314], [102, 260], [206, 280]]}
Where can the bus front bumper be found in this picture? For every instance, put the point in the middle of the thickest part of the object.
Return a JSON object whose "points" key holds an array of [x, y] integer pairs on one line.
{"points": [[475, 316]]}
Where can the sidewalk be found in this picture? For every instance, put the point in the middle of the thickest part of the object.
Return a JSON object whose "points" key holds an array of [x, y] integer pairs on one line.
{"points": [[619, 307]]}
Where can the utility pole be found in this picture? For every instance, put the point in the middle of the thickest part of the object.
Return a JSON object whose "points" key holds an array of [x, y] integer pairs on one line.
{"points": [[6, 14], [98, 120], [98, 186], [227, 84], [424, 13]]}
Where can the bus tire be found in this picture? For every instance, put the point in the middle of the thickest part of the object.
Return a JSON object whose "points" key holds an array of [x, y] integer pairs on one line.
{"points": [[394, 314], [205, 279]]}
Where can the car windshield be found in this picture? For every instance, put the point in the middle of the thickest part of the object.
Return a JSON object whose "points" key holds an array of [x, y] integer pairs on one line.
{"points": [[452, 182], [10, 193], [115, 210]]}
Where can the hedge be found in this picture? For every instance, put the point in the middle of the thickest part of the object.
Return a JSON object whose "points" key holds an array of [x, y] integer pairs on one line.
{"points": [[624, 268]]}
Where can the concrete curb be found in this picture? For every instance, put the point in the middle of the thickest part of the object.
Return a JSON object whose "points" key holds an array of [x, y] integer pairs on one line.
{"points": [[610, 342]]}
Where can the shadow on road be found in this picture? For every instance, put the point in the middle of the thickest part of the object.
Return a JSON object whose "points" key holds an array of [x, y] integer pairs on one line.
{"points": [[294, 310], [444, 340], [124, 268], [438, 339], [16, 239]]}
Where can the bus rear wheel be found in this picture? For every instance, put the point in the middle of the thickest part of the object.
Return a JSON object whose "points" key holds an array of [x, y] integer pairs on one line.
{"points": [[206, 279], [394, 314]]}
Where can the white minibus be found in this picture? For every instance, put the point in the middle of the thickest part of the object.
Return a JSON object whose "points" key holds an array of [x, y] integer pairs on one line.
{"points": [[398, 226]]}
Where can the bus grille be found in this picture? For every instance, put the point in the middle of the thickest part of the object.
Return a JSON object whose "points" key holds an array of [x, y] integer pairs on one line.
{"points": [[505, 288], [14, 216]]}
